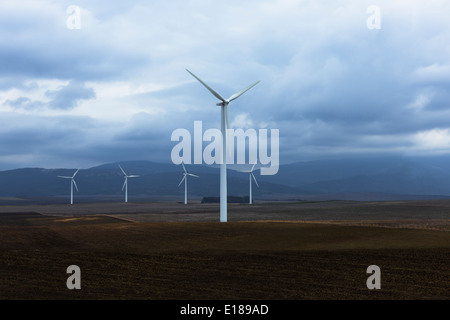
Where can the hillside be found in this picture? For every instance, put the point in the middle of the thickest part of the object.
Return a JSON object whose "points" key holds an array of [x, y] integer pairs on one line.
{"points": [[156, 179], [385, 178]]}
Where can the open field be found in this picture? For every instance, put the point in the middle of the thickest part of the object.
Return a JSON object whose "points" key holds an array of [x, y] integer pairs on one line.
{"points": [[281, 251], [428, 214]]}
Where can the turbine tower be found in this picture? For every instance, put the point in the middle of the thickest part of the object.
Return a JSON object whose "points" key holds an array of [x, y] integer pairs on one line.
{"points": [[225, 124], [72, 183], [185, 175], [125, 184], [250, 177]]}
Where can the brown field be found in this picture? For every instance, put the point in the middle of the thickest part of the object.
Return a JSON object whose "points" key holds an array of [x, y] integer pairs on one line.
{"points": [[269, 251]]}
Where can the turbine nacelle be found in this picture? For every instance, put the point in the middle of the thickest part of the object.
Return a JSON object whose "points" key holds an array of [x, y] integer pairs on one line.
{"points": [[185, 175], [250, 172], [225, 123], [251, 175], [218, 96], [72, 183], [125, 183]]}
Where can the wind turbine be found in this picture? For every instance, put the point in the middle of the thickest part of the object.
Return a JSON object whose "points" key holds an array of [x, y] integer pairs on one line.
{"points": [[250, 177], [125, 184], [185, 175], [225, 124], [72, 183]]}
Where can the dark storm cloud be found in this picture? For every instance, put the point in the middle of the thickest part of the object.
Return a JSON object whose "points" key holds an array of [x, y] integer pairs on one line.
{"points": [[36, 43], [328, 83]]}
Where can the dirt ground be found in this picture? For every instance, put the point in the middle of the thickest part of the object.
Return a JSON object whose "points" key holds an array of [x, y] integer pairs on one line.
{"points": [[271, 251], [432, 214]]}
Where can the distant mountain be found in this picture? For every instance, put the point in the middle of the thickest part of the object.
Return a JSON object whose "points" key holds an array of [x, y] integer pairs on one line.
{"points": [[138, 167], [359, 179], [394, 175], [305, 173], [156, 179], [405, 178]]}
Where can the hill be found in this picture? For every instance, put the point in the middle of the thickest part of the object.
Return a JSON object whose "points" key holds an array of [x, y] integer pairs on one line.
{"points": [[156, 179], [382, 178]]}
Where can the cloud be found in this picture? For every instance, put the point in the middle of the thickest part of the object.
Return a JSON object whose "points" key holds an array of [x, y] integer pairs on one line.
{"points": [[434, 73], [24, 103], [64, 97], [331, 85], [69, 96], [435, 139], [243, 121]]}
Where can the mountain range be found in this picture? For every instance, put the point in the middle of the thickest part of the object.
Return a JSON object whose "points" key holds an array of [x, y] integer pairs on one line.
{"points": [[382, 178]]}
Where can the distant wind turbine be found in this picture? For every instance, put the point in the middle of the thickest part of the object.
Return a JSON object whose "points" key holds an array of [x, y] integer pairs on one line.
{"points": [[125, 184], [225, 123], [185, 175], [72, 183], [250, 177]]}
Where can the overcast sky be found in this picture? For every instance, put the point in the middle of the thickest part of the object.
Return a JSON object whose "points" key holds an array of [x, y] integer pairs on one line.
{"points": [[116, 88]]}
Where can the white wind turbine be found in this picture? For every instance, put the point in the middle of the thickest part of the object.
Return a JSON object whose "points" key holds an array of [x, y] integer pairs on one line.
{"points": [[185, 175], [250, 177], [225, 124], [125, 184], [72, 183]]}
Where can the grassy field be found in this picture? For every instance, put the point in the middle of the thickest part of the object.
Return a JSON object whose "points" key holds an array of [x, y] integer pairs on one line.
{"points": [[289, 252]]}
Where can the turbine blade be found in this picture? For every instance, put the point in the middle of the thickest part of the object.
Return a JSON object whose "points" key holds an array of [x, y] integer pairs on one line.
{"points": [[184, 177], [240, 93], [75, 184], [122, 170], [64, 177], [124, 183], [193, 175], [253, 166], [133, 176], [254, 179], [217, 95], [75, 173], [184, 168]]}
